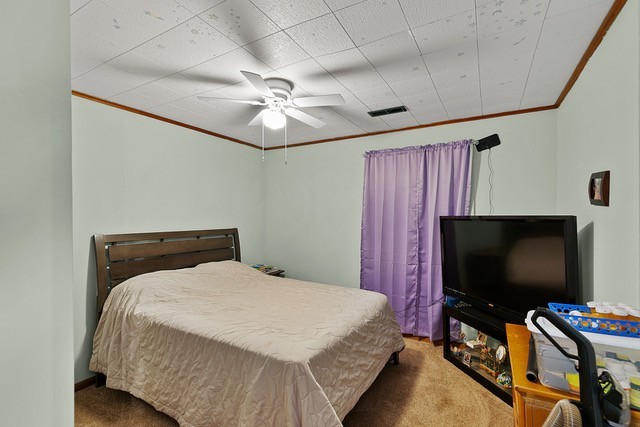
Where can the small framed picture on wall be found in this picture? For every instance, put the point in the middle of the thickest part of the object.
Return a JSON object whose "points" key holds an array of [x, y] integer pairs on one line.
{"points": [[599, 188]]}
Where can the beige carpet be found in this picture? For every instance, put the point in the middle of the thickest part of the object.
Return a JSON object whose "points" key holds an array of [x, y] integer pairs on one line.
{"points": [[424, 390]]}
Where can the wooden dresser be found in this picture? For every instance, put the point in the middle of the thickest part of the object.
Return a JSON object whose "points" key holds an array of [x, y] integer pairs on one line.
{"points": [[532, 402]]}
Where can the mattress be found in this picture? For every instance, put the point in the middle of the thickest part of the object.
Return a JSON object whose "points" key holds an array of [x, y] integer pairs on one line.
{"points": [[223, 344]]}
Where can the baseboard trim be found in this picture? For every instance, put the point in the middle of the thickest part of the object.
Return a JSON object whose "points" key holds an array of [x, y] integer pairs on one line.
{"points": [[84, 383]]}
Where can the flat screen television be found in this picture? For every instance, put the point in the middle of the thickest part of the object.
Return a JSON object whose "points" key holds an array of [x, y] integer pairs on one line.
{"points": [[510, 264]]}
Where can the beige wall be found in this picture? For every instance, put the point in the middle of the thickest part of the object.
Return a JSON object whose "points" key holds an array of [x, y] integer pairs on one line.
{"points": [[135, 174], [599, 129], [36, 342], [314, 203]]}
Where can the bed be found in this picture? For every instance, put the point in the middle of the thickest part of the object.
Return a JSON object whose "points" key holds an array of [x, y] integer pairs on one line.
{"points": [[210, 341]]}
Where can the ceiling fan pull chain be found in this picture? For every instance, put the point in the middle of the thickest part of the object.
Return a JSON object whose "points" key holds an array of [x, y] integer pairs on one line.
{"points": [[285, 141], [263, 141]]}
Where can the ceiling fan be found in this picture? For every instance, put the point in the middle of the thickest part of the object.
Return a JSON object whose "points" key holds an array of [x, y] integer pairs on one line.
{"points": [[276, 94]]}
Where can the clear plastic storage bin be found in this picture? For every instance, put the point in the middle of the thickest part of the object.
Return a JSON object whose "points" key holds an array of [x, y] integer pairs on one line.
{"points": [[620, 356]]}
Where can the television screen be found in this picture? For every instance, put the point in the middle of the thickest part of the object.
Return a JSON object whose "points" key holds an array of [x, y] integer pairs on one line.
{"points": [[510, 263]]}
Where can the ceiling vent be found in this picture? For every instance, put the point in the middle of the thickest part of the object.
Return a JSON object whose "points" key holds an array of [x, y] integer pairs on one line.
{"points": [[386, 111]]}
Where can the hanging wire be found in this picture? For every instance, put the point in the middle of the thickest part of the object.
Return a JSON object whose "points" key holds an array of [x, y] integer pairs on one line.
{"points": [[263, 140], [490, 184], [286, 122]]}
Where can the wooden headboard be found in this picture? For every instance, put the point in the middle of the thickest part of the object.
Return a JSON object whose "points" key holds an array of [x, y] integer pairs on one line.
{"points": [[121, 256]]}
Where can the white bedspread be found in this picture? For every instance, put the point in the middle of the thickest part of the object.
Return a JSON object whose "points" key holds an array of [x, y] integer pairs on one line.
{"points": [[223, 344]]}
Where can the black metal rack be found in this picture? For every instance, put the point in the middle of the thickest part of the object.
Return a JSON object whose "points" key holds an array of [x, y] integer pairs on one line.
{"points": [[486, 323]]}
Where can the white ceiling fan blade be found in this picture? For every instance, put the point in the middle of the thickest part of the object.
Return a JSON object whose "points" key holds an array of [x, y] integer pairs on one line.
{"points": [[257, 119], [319, 101], [258, 82], [304, 118], [238, 101]]}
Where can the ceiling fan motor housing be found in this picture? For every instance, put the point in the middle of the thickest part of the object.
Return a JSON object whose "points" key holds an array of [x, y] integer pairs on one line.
{"points": [[280, 88]]}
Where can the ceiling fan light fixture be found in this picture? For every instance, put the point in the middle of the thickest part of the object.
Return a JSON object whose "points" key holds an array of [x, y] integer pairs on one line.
{"points": [[274, 119]]}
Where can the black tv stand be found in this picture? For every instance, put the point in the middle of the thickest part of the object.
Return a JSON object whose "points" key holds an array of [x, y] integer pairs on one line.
{"points": [[482, 366]]}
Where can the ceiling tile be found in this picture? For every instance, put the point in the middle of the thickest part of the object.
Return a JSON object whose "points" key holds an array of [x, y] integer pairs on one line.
{"points": [[375, 125], [551, 69], [354, 108], [358, 117], [365, 79], [289, 13], [89, 50], [410, 69], [506, 93], [398, 47], [156, 92], [277, 50], [234, 117], [135, 99], [545, 86], [506, 69], [136, 64], [457, 93], [500, 108], [198, 6], [500, 16], [423, 103], [225, 69], [156, 15], [431, 118], [539, 95], [321, 36], [312, 78], [333, 119], [414, 86], [463, 55], [341, 4], [497, 88], [352, 70], [445, 33], [464, 108], [569, 52], [172, 112], [376, 95], [242, 90], [199, 107], [386, 103], [240, 21], [456, 77], [183, 85], [419, 12], [107, 81], [350, 100], [551, 62], [345, 62], [435, 108], [558, 7], [117, 27], [579, 23], [186, 45], [400, 120], [510, 44], [372, 20]]}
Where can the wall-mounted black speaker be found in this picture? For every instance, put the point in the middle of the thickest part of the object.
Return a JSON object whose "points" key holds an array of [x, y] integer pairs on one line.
{"points": [[488, 142]]}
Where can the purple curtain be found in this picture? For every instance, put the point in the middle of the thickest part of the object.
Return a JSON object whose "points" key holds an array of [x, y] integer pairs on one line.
{"points": [[406, 191]]}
